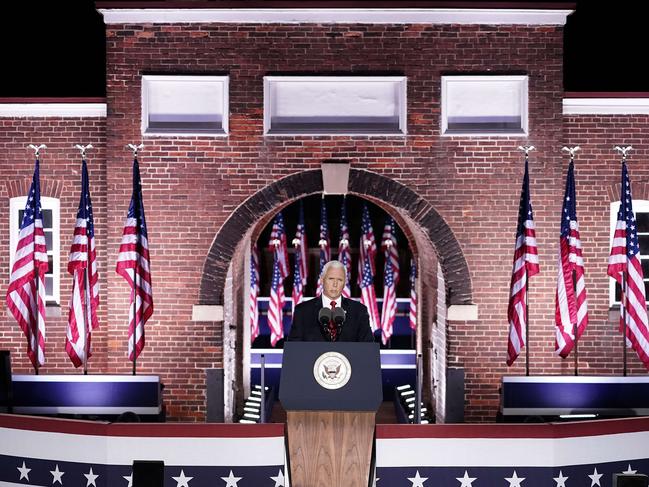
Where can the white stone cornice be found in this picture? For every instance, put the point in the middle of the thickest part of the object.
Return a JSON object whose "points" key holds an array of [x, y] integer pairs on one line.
{"points": [[337, 16], [605, 106], [52, 110]]}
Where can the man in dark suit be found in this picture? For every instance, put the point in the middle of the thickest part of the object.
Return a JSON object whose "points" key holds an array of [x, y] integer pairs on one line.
{"points": [[356, 325]]}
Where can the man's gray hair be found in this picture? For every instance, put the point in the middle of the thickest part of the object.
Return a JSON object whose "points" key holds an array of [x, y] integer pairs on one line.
{"points": [[333, 264]]}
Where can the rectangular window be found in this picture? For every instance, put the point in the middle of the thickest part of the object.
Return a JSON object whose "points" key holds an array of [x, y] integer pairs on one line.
{"points": [[484, 105], [641, 210], [334, 105], [51, 221], [185, 105]]}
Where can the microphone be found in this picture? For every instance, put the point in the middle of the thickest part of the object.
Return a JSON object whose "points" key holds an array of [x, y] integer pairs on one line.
{"points": [[324, 316], [338, 316]]}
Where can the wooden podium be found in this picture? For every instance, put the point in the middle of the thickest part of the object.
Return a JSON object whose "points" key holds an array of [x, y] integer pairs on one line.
{"points": [[331, 392]]}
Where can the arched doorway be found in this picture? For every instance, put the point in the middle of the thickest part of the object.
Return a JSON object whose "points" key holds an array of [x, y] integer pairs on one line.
{"points": [[444, 274]]}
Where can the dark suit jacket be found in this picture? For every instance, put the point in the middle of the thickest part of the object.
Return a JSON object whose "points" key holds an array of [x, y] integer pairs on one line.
{"points": [[305, 327]]}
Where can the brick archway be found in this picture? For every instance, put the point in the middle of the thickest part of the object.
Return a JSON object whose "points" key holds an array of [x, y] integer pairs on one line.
{"points": [[362, 183]]}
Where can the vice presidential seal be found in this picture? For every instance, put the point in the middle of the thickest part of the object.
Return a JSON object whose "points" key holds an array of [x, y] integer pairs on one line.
{"points": [[332, 370]]}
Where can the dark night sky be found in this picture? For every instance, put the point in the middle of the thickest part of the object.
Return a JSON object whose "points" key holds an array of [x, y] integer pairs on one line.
{"points": [[56, 48]]}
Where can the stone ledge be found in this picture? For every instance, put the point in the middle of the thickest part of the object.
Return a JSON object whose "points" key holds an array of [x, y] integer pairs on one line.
{"points": [[462, 312], [207, 312]]}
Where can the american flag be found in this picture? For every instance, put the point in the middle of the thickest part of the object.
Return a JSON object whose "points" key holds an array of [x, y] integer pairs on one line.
{"points": [[390, 279], [133, 264], [26, 293], [344, 254], [526, 264], [82, 264], [324, 242], [571, 307], [277, 244], [368, 242], [366, 268], [625, 267], [413, 295], [299, 264], [275, 319], [298, 287], [300, 235], [254, 292]]}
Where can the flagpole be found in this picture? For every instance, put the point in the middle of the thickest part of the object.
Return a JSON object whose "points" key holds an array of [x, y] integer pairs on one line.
{"points": [[527, 327], [86, 291], [86, 325], [38, 311], [624, 296], [37, 279], [136, 274], [576, 332], [38, 334], [37, 153], [38, 338], [527, 149], [623, 318], [134, 304], [575, 328], [134, 316], [135, 149]]}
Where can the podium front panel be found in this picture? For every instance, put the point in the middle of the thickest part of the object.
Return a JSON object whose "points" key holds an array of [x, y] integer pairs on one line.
{"points": [[303, 389]]}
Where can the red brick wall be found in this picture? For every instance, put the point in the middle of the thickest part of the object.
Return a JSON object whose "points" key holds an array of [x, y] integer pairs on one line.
{"points": [[60, 169], [193, 185]]}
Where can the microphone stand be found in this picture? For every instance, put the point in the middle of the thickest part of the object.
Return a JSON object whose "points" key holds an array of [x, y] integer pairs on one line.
{"points": [[324, 317], [339, 319]]}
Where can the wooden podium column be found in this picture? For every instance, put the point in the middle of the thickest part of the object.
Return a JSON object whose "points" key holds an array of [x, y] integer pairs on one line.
{"points": [[330, 448]]}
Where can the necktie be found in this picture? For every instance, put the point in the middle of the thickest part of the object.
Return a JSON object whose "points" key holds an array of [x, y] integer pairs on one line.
{"points": [[332, 326]]}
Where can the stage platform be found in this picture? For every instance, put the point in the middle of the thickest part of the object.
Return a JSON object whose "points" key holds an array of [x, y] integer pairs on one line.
{"points": [[550, 397], [38, 451], [102, 396]]}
